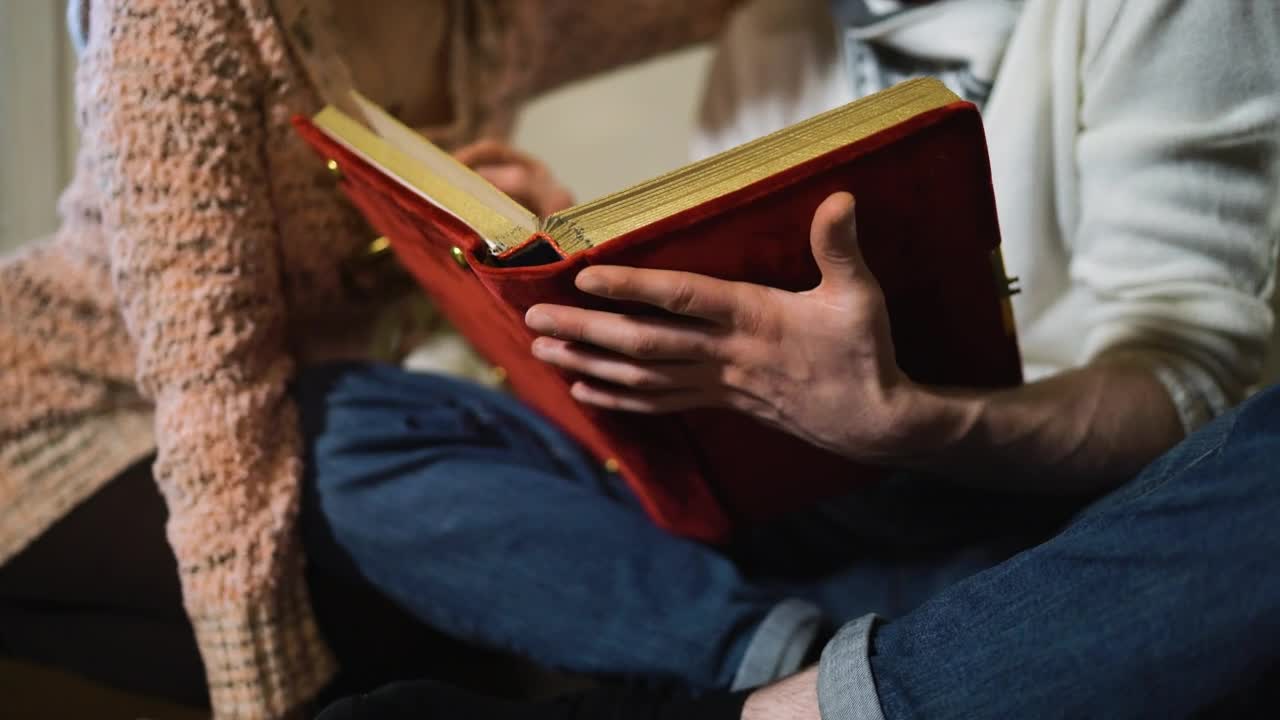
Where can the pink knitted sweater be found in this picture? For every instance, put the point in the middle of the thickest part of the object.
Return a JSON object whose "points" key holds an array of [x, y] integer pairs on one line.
{"points": [[204, 253]]}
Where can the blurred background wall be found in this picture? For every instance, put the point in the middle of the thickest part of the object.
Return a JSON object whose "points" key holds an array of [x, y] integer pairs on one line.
{"points": [[609, 132], [598, 136], [37, 121]]}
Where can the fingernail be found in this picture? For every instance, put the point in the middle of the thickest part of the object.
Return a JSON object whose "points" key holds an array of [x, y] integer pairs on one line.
{"points": [[541, 348], [540, 320], [589, 281]]}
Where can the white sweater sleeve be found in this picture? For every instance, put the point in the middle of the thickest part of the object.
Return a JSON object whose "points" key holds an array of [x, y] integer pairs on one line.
{"points": [[1179, 190]]}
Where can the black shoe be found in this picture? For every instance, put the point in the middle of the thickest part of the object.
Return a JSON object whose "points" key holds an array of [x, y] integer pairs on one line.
{"points": [[429, 700]]}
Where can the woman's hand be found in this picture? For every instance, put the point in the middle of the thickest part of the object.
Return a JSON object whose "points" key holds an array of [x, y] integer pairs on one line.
{"points": [[517, 174], [819, 364]]}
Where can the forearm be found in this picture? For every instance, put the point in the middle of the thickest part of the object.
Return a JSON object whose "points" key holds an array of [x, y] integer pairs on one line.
{"points": [[192, 242], [1080, 431]]}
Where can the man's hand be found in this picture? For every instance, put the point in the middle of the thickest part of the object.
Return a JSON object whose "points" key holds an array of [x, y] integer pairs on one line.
{"points": [[521, 176], [819, 364], [795, 698]]}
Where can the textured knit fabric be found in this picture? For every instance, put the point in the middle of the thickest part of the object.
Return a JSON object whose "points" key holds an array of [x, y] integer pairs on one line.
{"points": [[205, 253], [1135, 151]]}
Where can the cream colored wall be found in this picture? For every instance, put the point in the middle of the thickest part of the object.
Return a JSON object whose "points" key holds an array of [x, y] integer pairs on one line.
{"points": [[37, 120], [607, 133], [597, 136]]}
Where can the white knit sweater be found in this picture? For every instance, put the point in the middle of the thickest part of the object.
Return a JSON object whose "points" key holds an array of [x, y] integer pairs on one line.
{"points": [[1135, 149]]}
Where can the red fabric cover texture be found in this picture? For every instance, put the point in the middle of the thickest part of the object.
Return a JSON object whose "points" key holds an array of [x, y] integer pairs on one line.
{"points": [[927, 225]]}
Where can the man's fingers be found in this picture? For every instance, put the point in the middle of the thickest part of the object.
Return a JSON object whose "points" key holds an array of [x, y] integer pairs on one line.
{"points": [[833, 237], [636, 337], [621, 370], [650, 403], [681, 293]]}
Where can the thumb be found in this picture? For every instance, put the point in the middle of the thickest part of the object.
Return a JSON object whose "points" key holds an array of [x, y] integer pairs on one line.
{"points": [[833, 237]]}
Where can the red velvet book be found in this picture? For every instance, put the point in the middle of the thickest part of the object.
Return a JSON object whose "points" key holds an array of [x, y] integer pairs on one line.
{"points": [[914, 156]]}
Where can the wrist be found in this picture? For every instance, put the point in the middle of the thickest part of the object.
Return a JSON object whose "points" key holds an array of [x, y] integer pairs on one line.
{"points": [[932, 424]]}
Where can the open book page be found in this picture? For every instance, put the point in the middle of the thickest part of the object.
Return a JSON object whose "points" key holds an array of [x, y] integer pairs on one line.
{"points": [[430, 172], [505, 224], [587, 225]]}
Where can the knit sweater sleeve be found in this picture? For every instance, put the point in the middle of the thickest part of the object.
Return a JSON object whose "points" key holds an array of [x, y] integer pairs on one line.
{"points": [[1178, 159], [169, 94]]}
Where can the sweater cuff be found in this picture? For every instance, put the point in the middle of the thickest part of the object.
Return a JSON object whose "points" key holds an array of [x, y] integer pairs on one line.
{"points": [[846, 687], [265, 658], [1194, 393]]}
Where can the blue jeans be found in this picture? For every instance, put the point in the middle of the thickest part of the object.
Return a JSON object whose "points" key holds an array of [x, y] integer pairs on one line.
{"points": [[487, 523], [1156, 600]]}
